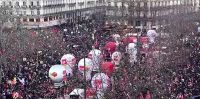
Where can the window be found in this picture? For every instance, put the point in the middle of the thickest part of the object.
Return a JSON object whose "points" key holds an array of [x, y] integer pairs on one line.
{"points": [[38, 12], [63, 16], [56, 17], [45, 19], [32, 12], [4, 3], [10, 3], [17, 12], [60, 17], [137, 23], [31, 20], [38, 3], [145, 23], [38, 20], [24, 19], [17, 4], [24, 3], [115, 4], [24, 12], [31, 3]]}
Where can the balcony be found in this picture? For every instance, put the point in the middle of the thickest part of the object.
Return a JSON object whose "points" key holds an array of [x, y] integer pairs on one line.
{"points": [[80, 3], [34, 6], [53, 5], [24, 6], [10, 6], [71, 4], [16, 6]]}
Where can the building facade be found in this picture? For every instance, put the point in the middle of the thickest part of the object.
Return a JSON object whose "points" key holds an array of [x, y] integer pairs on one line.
{"points": [[117, 10], [148, 14], [44, 13]]}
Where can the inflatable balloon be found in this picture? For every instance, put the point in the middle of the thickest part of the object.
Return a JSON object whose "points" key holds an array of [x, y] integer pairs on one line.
{"points": [[88, 65], [128, 40], [144, 39], [131, 46], [132, 39], [116, 57], [100, 82], [57, 73], [107, 67], [95, 56], [152, 35], [132, 51], [68, 59], [90, 93], [111, 46]]}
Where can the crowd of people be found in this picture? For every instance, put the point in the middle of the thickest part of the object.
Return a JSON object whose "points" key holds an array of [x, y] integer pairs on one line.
{"points": [[30, 77]]}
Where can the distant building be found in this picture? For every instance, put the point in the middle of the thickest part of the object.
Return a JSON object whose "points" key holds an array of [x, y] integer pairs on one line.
{"points": [[147, 14], [44, 13]]}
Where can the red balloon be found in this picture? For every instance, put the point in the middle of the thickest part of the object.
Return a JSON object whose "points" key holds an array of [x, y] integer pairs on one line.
{"points": [[125, 40], [111, 46], [144, 39], [131, 39], [107, 67], [90, 92]]}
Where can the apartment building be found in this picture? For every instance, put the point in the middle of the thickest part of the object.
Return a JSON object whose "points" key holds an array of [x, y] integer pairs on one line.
{"points": [[148, 14], [44, 13]]}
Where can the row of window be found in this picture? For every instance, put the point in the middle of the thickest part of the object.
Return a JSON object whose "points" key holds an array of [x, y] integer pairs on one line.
{"points": [[24, 12], [153, 13], [159, 3], [50, 18], [24, 3], [48, 2], [172, 2], [171, 11], [53, 2]]}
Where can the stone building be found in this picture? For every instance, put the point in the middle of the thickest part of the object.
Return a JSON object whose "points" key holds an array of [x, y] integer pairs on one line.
{"points": [[148, 14], [44, 13]]}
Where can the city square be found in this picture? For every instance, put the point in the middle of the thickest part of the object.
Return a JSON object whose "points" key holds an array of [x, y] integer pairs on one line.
{"points": [[99, 49]]}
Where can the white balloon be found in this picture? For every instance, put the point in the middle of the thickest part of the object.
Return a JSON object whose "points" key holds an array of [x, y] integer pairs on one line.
{"points": [[95, 56], [68, 59], [100, 95], [152, 35], [116, 57], [57, 73], [132, 51], [88, 65], [100, 82], [131, 46]]}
